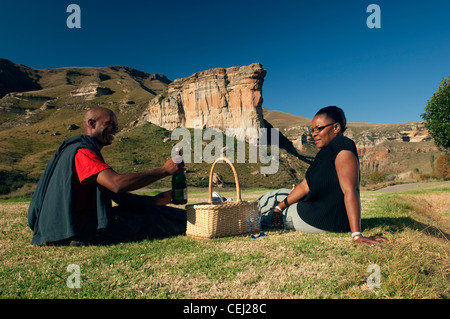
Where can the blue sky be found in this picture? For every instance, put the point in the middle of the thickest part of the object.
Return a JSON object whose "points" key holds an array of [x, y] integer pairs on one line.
{"points": [[316, 53]]}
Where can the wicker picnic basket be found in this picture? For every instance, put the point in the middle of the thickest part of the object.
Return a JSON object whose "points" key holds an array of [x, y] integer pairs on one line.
{"points": [[212, 220]]}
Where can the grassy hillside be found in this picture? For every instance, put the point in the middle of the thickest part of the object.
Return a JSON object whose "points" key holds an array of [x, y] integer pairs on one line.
{"points": [[134, 149], [148, 146]]}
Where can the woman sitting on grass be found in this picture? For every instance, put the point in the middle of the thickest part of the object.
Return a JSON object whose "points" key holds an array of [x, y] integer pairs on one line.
{"points": [[327, 200]]}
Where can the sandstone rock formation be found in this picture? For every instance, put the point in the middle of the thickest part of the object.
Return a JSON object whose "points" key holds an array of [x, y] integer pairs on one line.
{"points": [[220, 98], [91, 91]]}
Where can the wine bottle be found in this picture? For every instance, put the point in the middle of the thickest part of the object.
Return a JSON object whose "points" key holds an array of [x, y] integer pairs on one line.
{"points": [[179, 187]]}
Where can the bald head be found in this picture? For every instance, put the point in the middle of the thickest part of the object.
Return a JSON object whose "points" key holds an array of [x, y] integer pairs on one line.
{"points": [[95, 114], [100, 123]]}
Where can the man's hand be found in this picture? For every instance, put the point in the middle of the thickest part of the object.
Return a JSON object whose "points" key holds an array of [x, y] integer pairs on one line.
{"points": [[163, 198], [173, 166]]}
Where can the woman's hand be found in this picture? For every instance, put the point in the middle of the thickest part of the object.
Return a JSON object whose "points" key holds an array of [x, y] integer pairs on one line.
{"points": [[277, 219], [369, 241], [299, 191]]}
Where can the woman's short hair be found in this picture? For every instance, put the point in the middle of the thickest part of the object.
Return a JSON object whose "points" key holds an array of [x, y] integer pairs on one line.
{"points": [[336, 114]]}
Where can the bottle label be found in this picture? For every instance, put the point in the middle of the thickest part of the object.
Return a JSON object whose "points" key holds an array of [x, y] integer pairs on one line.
{"points": [[180, 193]]}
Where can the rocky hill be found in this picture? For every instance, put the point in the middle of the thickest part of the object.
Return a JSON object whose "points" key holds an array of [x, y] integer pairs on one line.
{"points": [[40, 108], [24, 90], [217, 98], [400, 150]]}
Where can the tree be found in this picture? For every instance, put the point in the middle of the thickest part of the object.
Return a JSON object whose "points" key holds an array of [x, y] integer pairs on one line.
{"points": [[437, 115], [443, 166]]}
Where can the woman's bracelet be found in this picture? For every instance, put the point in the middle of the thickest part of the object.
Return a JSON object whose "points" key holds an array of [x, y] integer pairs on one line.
{"points": [[285, 203], [356, 235]]}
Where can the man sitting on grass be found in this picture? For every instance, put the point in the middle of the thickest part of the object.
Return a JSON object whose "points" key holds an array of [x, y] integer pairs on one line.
{"points": [[72, 202]]}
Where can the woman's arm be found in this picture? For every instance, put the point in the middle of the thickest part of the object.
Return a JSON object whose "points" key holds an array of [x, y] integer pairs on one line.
{"points": [[347, 169], [348, 174], [300, 191]]}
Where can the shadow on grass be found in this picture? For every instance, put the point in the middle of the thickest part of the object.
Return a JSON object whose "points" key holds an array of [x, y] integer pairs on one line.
{"points": [[399, 224]]}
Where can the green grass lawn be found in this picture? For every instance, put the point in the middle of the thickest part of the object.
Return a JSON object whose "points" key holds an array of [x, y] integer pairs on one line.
{"points": [[283, 265]]}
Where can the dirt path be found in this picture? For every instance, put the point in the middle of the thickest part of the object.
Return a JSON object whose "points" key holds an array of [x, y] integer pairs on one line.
{"points": [[403, 187]]}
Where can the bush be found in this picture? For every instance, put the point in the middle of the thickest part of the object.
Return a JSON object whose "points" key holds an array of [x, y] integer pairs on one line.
{"points": [[376, 177], [11, 180], [443, 167]]}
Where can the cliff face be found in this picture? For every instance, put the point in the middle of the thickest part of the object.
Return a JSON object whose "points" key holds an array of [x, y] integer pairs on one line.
{"points": [[220, 98], [397, 149]]}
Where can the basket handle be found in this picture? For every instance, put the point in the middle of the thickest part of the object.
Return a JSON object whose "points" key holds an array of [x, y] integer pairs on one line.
{"points": [[236, 179]]}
